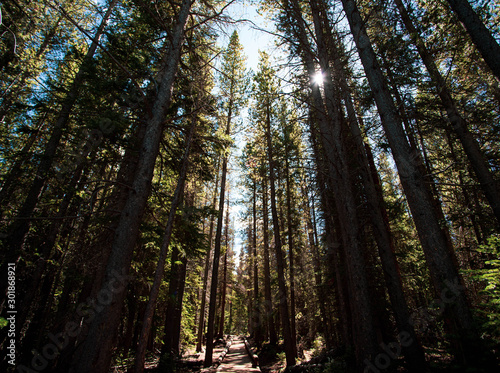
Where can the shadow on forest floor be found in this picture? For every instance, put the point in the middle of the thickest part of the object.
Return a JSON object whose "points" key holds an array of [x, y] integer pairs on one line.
{"points": [[272, 360]]}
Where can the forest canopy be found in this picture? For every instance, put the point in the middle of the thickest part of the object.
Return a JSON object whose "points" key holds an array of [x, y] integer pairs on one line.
{"points": [[338, 203]]}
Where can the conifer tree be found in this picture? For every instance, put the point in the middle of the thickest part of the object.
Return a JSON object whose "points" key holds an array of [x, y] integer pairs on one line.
{"points": [[233, 86]]}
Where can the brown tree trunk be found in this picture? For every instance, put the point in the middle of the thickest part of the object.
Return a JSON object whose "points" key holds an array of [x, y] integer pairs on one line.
{"points": [[256, 313], [444, 274], [94, 354], [326, 327], [21, 225], [283, 301], [217, 248], [465, 193], [378, 215], [480, 35], [290, 248], [336, 263], [333, 140], [273, 337], [459, 124], [220, 334], [201, 325], [11, 178], [171, 341], [160, 267]]}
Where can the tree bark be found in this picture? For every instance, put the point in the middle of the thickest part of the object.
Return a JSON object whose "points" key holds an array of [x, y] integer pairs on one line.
{"points": [[171, 341], [273, 337], [290, 247], [217, 248], [220, 334], [201, 325], [21, 225], [480, 35], [256, 294], [434, 241], [10, 179], [459, 124], [333, 139], [378, 215], [283, 302], [160, 267], [94, 354], [325, 328]]}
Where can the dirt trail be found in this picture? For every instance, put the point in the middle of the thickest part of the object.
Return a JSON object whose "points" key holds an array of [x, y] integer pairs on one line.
{"points": [[237, 359]]}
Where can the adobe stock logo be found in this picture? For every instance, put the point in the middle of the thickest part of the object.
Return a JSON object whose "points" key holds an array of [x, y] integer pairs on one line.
{"points": [[420, 320]]}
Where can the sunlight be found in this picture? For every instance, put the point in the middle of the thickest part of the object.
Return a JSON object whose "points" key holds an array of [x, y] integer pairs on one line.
{"points": [[318, 78]]}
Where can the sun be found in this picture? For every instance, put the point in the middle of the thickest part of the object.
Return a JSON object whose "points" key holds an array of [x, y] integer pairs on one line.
{"points": [[318, 78]]}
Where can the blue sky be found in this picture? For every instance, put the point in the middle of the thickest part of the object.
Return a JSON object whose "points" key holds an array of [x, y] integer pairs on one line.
{"points": [[252, 41]]}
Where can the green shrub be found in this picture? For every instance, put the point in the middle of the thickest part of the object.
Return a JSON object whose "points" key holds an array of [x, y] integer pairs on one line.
{"points": [[490, 277]]}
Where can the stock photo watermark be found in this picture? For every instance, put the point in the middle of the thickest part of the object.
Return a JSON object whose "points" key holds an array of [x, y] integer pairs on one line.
{"points": [[86, 312], [420, 320], [11, 313]]}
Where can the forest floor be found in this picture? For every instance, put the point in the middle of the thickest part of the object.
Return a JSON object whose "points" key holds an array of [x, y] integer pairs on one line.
{"points": [[272, 360]]}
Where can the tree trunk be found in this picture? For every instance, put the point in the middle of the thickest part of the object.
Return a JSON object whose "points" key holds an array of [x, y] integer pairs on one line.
{"points": [[459, 124], [95, 353], [171, 341], [217, 247], [201, 325], [378, 215], [333, 140], [160, 267], [224, 277], [11, 178], [480, 35], [322, 297], [465, 194], [444, 274], [21, 225], [290, 248], [336, 263], [273, 337], [256, 315], [283, 301]]}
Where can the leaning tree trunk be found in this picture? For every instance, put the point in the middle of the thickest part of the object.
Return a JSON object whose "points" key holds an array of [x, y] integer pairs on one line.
{"points": [[140, 355], [445, 276], [333, 141], [11, 179], [459, 124], [94, 354], [21, 225], [480, 35], [378, 215]]}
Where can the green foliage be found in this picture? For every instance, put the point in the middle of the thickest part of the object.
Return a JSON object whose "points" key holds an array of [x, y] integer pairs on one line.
{"points": [[234, 79], [332, 366], [490, 277], [3, 323], [318, 346]]}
